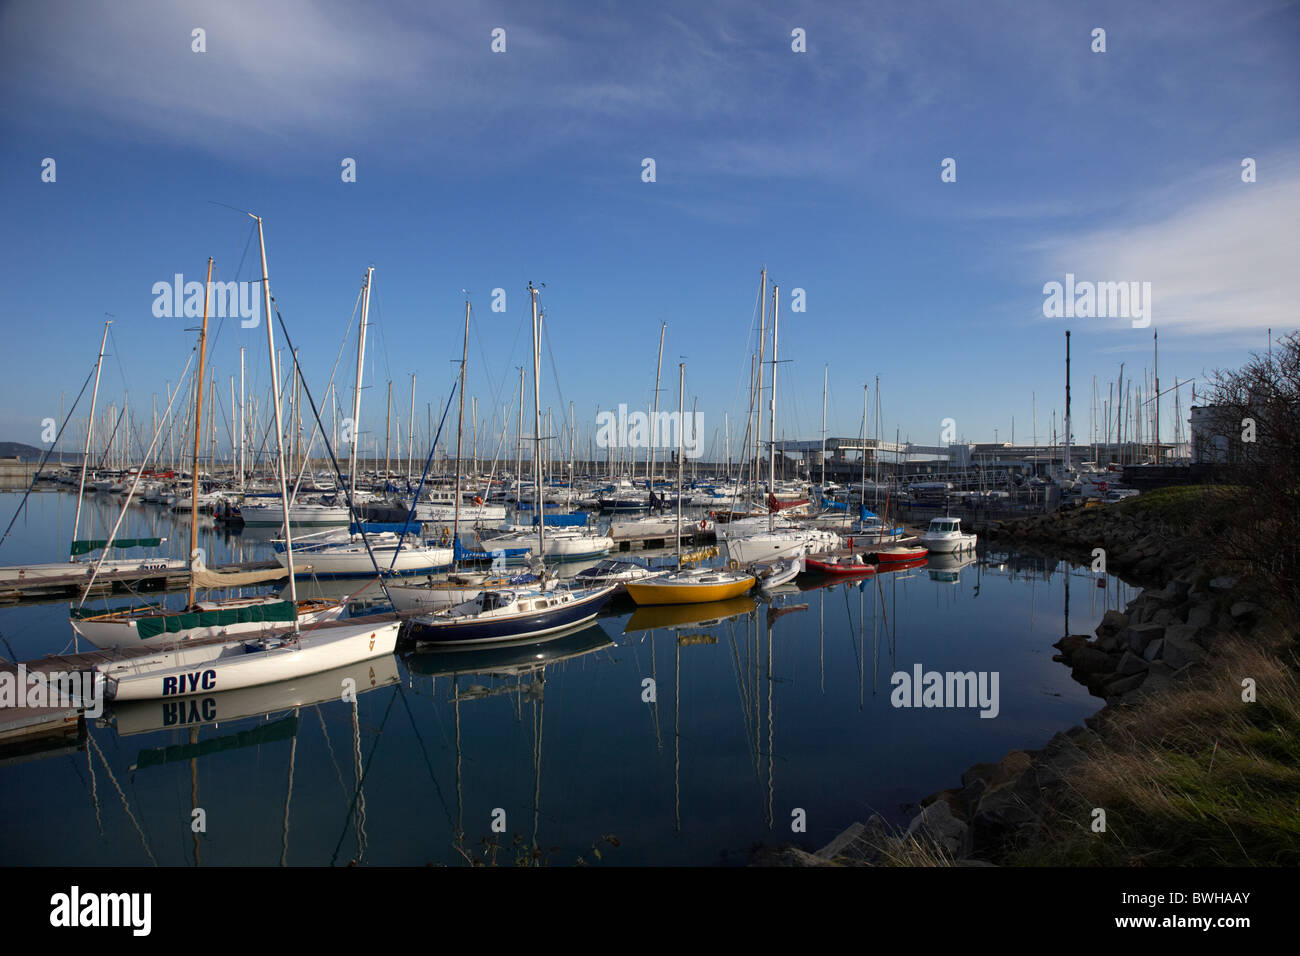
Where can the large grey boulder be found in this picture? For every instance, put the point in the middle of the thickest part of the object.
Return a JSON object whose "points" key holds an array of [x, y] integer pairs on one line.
{"points": [[1090, 660], [1243, 610], [1123, 685], [937, 824], [1179, 651], [1112, 623], [1136, 637], [1129, 664]]}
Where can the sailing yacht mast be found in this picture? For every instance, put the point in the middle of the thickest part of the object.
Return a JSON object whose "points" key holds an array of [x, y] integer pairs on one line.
{"points": [[90, 427], [241, 420], [279, 431], [460, 427], [826, 373], [519, 441], [198, 418], [771, 457], [356, 390], [410, 433], [537, 426], [388, 433], [650, 466], [758, 378], [681, 402]]}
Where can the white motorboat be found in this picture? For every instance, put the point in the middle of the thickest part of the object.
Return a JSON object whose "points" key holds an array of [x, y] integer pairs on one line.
{"points": [[944, 536]]}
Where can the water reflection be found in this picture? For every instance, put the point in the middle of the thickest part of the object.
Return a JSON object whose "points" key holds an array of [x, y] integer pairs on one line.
{"points": [[759, 708], [517, 672]]}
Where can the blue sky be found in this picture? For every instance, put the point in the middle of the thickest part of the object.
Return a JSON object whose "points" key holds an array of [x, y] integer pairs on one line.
{"points": [[478, 170]]}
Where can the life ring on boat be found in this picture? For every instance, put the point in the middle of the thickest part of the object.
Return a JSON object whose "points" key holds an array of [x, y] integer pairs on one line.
{"points": [[478, 500], [703, 524], [733, 564]]}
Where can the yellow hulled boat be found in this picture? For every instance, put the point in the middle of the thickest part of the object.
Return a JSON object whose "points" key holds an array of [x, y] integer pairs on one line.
{"points": [[692, 587]]}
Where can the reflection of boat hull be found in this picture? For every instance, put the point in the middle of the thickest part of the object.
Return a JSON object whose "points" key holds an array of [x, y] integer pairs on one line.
{"points": [[946, 568], [216, 667], [687, 615], [144, 716], [901, 566], [523, 654]]}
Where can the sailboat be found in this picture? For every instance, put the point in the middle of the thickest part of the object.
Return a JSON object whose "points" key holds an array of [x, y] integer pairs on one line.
{"points": [[694, 585], [514, 613], [231, 617], [207, 667], [352, 555], [774, 544], [17, 576]]}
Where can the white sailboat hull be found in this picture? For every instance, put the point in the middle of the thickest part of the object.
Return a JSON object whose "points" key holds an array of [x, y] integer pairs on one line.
{"points": [[417, 597], [354, 560], [272, 514], [559, 546], [431, 513], [778, 545], [123, 633], [140, 717], [217, 667]]}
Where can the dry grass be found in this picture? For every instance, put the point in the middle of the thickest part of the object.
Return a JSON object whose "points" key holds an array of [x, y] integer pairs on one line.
{"points": [[1192, 777]]}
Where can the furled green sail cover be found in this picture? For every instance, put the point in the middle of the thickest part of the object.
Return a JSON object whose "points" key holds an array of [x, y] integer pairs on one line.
{"points": [[277, 611], [94, 544], [165, 623]]}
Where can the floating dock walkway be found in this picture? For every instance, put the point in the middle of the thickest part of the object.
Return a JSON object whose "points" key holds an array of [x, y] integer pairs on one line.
{"points": [[119, 581]]}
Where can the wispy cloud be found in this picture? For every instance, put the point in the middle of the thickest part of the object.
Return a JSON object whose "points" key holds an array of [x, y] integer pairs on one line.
{"points": [[1223, 262]]}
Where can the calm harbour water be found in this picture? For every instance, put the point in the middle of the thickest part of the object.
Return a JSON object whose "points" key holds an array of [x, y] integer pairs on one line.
{"points": [[760, 709]]}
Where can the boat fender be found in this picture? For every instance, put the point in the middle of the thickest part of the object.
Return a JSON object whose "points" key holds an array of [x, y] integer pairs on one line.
{"points": [[445, 533], [733, 564]]}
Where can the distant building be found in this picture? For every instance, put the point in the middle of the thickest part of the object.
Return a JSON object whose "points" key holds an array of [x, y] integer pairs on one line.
{"points": [[1216, 434]]}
